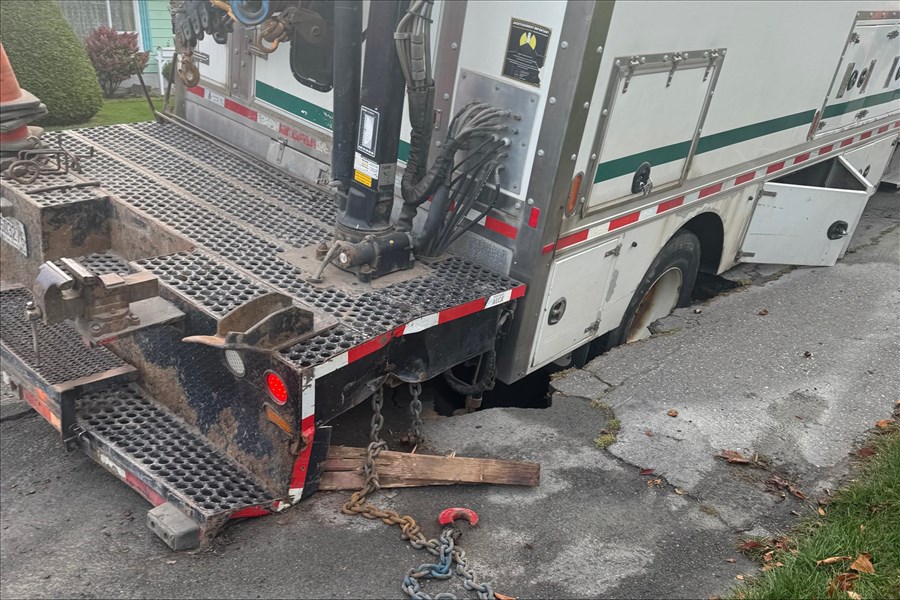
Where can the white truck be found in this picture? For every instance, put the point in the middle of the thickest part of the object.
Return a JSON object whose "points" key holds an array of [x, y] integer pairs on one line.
{"points": [[557, 177]]}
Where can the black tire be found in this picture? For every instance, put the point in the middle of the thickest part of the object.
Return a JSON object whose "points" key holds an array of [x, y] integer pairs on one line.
{"points": [[682, 252]]}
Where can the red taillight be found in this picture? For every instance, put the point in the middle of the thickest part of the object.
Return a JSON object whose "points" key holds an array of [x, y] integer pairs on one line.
{"points": [[277, 389]]}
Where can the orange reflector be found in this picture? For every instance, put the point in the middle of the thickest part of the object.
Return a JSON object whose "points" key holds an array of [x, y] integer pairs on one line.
{"points": [[279, 420], [573, 194], [276, 386]]}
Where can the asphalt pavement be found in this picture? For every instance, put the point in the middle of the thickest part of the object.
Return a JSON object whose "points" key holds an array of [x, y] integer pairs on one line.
{"points": [[790, 371]]}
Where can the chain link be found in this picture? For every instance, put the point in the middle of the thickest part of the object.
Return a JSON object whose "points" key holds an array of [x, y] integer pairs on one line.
{"points": [[444, 547], [415, 411]]}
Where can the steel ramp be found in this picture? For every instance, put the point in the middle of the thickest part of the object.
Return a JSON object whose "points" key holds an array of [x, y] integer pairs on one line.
{"points": [[165, 460]]}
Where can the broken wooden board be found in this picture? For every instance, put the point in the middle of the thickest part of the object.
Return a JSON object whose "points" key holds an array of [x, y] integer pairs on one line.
{"points": [[343, 470]]}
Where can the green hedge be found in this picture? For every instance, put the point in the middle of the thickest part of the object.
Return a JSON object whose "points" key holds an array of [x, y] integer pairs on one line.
{"points": [[49, 60]]}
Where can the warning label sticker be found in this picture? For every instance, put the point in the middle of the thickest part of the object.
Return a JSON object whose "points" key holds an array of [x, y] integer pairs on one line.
{"points": [[526, 50], [364, 165]]}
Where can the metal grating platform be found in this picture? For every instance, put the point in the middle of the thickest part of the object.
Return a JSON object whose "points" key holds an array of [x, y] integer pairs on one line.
{"points": [[102, 263], [55, 197], [241, 215], [125, 421], [64, 356], [204, 280]]}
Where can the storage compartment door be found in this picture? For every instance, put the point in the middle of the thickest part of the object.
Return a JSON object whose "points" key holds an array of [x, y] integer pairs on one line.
{"points": [[807, 217], [866, 84], [573, 301], [871, 160]]}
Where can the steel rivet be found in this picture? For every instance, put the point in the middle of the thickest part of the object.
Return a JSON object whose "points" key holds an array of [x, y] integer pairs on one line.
{"points": [[587, 104], [515, 186], [605, 112], [564, 45], [524, 144], [518, 206], [463, 75], [530, 201], [532, 98], [552, 100], [540, 152], [574, 156], [454, 46], [446, 96], [438, 144], [496, 88], [594, 156], [599, 49], [618, 63]]}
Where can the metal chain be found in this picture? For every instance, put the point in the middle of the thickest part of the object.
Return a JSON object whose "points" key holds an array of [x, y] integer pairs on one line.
{"points": [[415, 411], [410, 530]]}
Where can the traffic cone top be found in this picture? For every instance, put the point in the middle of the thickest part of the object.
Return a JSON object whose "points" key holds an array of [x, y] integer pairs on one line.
{"points": [[9, 85]]}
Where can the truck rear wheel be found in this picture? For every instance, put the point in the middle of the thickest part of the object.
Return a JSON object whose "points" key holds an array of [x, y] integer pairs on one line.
{"points": [[666, 285]]}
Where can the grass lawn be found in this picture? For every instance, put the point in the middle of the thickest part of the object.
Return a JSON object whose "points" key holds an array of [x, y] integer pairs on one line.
{"points": [[862, 518], [122, 110]]}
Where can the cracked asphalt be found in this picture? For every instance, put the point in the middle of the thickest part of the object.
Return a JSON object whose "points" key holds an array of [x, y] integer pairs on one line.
{"points": [[595, 527]]}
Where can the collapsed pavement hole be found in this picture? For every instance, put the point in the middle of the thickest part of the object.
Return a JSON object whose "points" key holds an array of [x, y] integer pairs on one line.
{"points": [[709, 286]]}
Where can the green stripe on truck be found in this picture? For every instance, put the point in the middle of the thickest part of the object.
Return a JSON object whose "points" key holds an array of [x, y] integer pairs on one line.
{"points": [[629, 164], [308, 111]]}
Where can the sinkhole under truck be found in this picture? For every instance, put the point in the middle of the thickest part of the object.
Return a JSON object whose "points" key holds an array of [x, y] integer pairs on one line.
{"points": [[346, 194]]}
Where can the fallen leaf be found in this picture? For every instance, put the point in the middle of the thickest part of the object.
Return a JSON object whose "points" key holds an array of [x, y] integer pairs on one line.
{"points": [[679, 491], [842, 583], [866, 452], [672, 413], [648, 433], [884, 423], [807, 354], [862, 527], [863, 564], [500, 596], [653, 482], [646, 471], [749, 545], [854, 595], [771, 566], [170, 562], [730, 560], [797, 492], [833, 559], [821, 511], [733, 456], [740, 577], [767, 557], [763, 312]]}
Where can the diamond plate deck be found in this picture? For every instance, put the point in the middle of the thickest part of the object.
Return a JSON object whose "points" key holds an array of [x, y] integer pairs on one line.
{"points": [[240, 214], [176, 461]]}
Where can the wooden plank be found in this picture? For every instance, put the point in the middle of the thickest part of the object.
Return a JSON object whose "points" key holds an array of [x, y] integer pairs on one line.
{"points": [[343, 470]]}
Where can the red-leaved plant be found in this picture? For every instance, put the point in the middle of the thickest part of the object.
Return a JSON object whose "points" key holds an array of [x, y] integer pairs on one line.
{"points": [[115, 57]]}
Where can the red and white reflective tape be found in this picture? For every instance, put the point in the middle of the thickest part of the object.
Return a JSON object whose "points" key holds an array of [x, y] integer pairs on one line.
{"points": [[308, 393], [263, 119], [416, 326], [711, 190]]}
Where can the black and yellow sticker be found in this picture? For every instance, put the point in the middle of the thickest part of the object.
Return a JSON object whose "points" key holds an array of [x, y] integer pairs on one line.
{"points": [[526, 50]]}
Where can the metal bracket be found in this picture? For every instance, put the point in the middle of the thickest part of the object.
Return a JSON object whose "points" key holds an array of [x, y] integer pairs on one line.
{"points": [[614, 252], [677, 58], [713, 59], [633, 62]]}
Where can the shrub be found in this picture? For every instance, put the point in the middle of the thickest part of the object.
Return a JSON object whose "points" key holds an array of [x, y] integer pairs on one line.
{"points": [[50, 61], [115, 57]]}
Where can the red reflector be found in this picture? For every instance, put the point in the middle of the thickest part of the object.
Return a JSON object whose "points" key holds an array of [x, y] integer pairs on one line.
{"points": [[276, 388]]}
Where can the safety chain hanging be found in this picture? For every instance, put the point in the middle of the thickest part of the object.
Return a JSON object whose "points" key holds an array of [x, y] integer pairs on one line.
{"points": [[444, 547]]}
